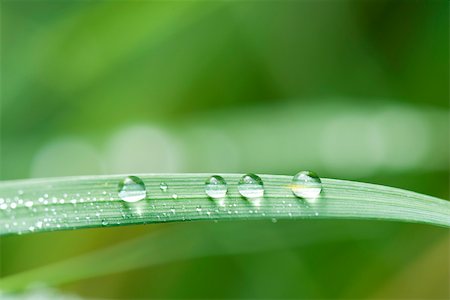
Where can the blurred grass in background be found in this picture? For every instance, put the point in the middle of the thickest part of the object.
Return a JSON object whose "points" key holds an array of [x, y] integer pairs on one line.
{"points": [[350, 89]]}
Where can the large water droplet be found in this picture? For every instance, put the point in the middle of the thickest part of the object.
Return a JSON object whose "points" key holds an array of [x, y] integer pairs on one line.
{"points": [[216, 187], [251, 186], [132, 189], [306, 184]]}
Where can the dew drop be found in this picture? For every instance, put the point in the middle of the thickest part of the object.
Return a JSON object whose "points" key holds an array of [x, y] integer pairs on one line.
{"points": [[251, 186], [175, 196], [306, 184], [132, 189], [216, 187], [163, 186]]}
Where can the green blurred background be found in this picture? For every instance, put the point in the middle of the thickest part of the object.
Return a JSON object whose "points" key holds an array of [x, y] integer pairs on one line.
{"points": [[350, 89]]}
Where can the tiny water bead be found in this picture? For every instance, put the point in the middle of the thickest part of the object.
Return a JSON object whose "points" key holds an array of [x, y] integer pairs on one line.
{"points": [[163, 186], [216, 187], [132, 189], [251, 186], [306, 184]]}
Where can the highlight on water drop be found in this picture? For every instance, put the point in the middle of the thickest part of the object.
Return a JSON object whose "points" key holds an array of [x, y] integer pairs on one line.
{"points": [[132, 189], [216, 187], [306, 184], [251, 186]]}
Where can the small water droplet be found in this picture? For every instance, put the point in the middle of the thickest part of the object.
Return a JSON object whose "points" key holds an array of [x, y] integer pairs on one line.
{"points": [[216, 187], [163, 186], [306, 184], [274, 220], [175, 196], [104, 222], [251, 186], [132, 189]]}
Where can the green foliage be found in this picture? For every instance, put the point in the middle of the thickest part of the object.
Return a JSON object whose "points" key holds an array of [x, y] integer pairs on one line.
{"points": [[77, 202]]}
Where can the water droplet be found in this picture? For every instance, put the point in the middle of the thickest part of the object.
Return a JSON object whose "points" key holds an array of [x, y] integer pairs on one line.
{"points": [[306, 184], [175, 196], [132, 189], [251, 186], [163, 186], [216, 187], [274, 220]]}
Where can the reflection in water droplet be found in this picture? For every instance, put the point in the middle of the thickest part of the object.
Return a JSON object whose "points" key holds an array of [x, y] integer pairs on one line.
{"points": [[251, 186], [306, 184], [132, 189], [216, 187]]}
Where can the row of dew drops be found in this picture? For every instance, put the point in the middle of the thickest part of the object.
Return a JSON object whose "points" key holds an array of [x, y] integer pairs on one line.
{"points": [[305, 184]]}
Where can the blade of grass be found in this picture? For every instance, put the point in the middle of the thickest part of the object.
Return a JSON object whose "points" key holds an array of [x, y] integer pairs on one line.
{"points": [[78, 202], [170, 245]]}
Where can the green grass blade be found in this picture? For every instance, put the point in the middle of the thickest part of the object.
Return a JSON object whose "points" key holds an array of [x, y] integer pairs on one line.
{"points": [[170, 245], [78, 202]]}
